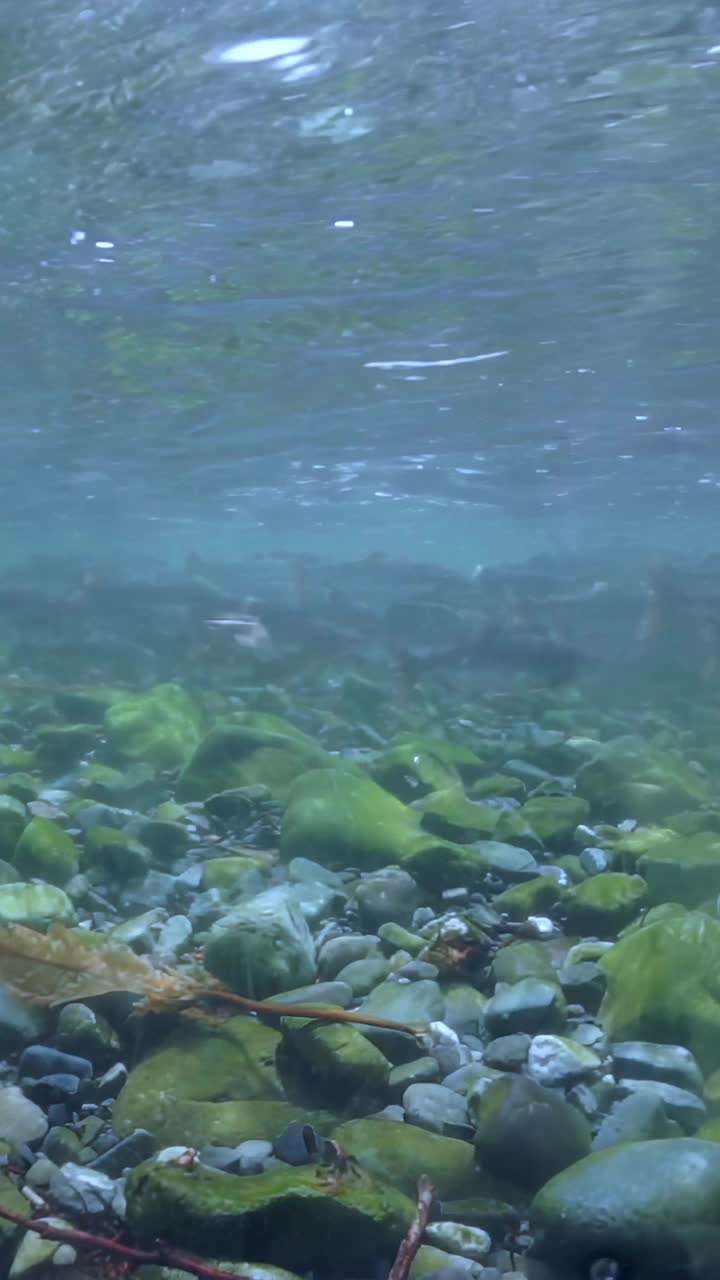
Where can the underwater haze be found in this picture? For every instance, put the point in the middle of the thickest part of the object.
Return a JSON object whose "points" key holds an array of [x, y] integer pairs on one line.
{"points": [[439, 277], [360, 640]]}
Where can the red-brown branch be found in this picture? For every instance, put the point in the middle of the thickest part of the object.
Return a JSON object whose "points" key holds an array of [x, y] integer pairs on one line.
{"points": [[323, 1013], [161, 1256], [412, 1241]]}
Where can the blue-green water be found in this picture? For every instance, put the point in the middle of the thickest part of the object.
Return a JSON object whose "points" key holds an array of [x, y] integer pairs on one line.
{"points": [[440, 275]]}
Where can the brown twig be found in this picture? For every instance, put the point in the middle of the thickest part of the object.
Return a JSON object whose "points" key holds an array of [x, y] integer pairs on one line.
{"points": [[324, 1013], [161, 1256], [413, 1239]]}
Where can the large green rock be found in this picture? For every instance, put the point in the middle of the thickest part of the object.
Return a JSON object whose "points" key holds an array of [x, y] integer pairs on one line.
{"points": [[34, 904], [664, 985], [59, 746], [160, 728], [652, 1206], [262, 749], [117, 853], [295, 1217], [335, 1062], [208, 1083], [46, 852], [602, 905], [451, 816], [682, 869], [411, 769], [262, 946], [13, 817], [525, 1132], [398, 1153], [341, 818], [554, 818], [627, 779]]}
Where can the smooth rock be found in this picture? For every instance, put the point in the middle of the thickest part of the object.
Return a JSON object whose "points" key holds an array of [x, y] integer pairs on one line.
{"points": [[455, 1237], [79, 1189], [21, 1121], [532, 1005], [672, 1063], [441, 1110], [558, 1062]]}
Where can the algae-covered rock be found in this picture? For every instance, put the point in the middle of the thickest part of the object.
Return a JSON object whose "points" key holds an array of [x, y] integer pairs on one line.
{"points": [[533, 897], [525, 1132], [116, 852], [654, 1206], [628, 779], [160, 727], [263, 749], [34, 904], [413, 768], [286, 1216], [186, 1089], [554, 818], [385, 896], [602, 905], [663, 985], [46, 852], [262, 946], [13, 817], [682, 869], [531, 1005], [342, 819], [397, 1153], [234, 871], [338, 1065], [60, 746], [451, 816], [523, 959]]}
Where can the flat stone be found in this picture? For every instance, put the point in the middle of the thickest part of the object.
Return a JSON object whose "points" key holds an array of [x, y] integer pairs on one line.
{"points": [[39, 1060], [441, 1110], [671, 1063], [125, 1154], [455, 1237], [508, 1053], [35, 1253], [680, 1104], [531, 1005], [21, 1121], [419, 1071], [637, 1118], [557, 1061], [82, 1190]]}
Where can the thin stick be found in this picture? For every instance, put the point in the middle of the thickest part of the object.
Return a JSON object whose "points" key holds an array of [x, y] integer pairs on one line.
{"points": [[412, 1241], [162, 1255], [323, 1013]]}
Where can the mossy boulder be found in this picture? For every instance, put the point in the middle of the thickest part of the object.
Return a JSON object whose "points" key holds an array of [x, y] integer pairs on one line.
{"points": [[537, 896], [208, 1084], [414, 766], [262, 749], [530, 1005], [60, 746], [286, 1216], [525, 1132], [604, 904], [398, 1153], [554, 818], [524, 959], [161, 727], [629, 780], [334, 1062], [341, 818], [117, 853], [22, 786], [653, 1205], [262, 946], [663, 985], [682, 869], [451, 816], [233, 871], [46, 852], [34, 905], [13, 818]]}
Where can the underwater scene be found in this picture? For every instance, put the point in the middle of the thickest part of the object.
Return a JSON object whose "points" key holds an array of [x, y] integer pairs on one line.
{"points": [[360, 640]]}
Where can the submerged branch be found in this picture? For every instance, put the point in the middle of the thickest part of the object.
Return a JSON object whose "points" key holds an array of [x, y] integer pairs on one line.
{"points": [[161, 1256], [412, 1241]]}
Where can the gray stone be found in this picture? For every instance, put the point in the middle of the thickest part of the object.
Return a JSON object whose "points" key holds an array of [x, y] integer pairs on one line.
{"points": [[364, 975], [21, 1121], [455, 1237], [638, 1117], [680, 1104], [390, 895], [416, 1003], [584, 984], [175, 935], [557, 1061], [464, 1008], [304, 869], [531, 1005], [83, 1031], [508, 1053], [125, 1154], [525, 1132], [338, 952], [419, 1071], [672, 1063], [81, 1190], [441, 1110], [263, 946], [19, 1021], [35, 1253], [42, 1060]]}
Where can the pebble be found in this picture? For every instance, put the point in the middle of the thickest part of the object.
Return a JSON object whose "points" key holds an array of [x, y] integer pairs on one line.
{"points": [[338, 952], [291, 1146], [671, 1063], [455, 1237], [508, 1053], [419, 1071], [82, 1190], [557, 1061], [441, 1110], [40, 1060], [60, 1087], [20, 1119], [125, 1154]]}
